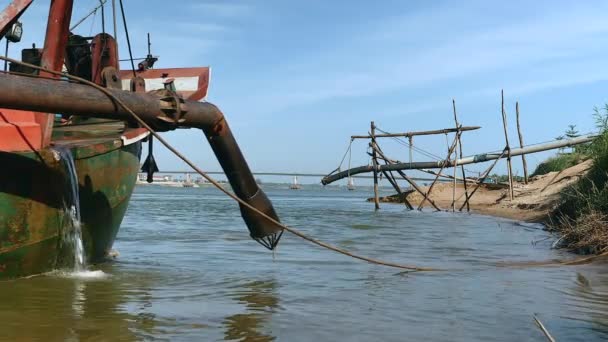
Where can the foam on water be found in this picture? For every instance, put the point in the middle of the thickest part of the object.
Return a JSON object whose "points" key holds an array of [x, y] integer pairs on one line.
{"points": [[92, 275]]}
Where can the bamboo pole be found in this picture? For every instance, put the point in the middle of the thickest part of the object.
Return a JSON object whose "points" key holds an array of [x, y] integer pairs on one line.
{"points": [[443, 175], [408, 179], [450, 151], [486, 174], [456, 161], [464, 177], [504, 125], [521, 143], [375, 164], [417, 188], [411, 134], [454, 182], [391, 178]]}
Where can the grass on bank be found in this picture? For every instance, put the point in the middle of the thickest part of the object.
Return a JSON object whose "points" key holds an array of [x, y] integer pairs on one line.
{"points": [[559, 163], [582, 216]]}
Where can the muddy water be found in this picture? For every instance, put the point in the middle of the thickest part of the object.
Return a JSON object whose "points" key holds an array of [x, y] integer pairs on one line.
{"points": [[187, 271]]}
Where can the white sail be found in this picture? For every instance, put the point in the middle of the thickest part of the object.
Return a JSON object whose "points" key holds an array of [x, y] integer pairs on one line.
{"points": [[295, 185], [351, 184]]}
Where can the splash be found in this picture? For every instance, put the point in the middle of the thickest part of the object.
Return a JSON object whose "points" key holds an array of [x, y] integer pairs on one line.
{"points": [[72, 230]]}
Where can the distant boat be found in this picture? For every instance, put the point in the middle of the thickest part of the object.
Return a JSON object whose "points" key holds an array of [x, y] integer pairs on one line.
{"points": [[188, 183], [295, 185], [351, 184]]}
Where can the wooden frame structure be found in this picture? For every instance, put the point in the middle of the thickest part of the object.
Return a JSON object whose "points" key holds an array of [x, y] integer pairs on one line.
{"points": [[454, 158]]}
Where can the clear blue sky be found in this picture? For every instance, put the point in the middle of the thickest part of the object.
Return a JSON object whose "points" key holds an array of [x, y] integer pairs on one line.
{"points": [[297, 78]]}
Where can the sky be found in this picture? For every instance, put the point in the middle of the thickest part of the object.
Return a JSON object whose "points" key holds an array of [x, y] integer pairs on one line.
{"points": [[296, 79]]}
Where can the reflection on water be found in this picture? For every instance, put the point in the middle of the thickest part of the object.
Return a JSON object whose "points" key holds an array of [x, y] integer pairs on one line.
{"points": [[260, 301], [189, 271], [56, 308]]}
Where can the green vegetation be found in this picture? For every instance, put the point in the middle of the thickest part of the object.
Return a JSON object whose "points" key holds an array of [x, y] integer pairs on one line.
{"points": [[564, 159], [560, 162], [582, 217]]}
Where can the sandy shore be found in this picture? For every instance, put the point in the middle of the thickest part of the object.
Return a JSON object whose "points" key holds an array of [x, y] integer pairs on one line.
{"points": [[533, 202]]}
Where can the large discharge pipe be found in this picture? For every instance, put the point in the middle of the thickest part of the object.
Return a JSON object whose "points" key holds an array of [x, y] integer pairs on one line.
{"points": [[163, 110], [480, 158]]}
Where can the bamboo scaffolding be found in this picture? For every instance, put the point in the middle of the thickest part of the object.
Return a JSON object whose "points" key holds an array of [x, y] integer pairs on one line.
{"points": [[521, 143], [486, 174], [450, 151], [462, 161], [409, 180], [391, 179]]}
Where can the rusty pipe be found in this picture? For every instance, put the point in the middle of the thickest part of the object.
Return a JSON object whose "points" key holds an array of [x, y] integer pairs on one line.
{"points": [[162, 110], [155, 108]]}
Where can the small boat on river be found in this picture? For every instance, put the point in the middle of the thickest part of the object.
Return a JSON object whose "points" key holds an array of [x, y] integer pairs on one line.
{"points": [[295, 185]]}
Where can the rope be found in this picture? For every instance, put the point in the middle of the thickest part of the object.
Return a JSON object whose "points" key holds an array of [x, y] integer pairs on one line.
{"points": [[411, 268], [103, 16], [350, 156], [124, 21], [339, 168], [218, 185]]}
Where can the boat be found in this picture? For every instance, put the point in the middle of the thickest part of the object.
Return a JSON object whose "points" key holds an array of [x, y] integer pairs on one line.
{"points": [[71, 152], [295, 185], [188, 183], [351, 184]]}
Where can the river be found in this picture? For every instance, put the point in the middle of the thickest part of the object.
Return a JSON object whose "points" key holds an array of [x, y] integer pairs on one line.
{"points": [[188, 271]]}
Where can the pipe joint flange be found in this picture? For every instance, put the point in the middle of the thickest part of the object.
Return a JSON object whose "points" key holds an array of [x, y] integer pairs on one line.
{"points": [[172, 106]]}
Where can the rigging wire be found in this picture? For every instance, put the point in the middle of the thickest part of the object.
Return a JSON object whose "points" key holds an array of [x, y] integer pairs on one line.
{"points": [[124, 21], [103, 16], [93, 23], [92, 12], [339, 168]]}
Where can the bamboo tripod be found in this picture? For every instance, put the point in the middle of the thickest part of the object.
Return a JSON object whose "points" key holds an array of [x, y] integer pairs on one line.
{"points": [[392, 170]]}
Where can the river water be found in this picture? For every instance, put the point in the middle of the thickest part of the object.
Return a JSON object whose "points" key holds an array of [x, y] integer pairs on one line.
{"points": [[187, 271]]}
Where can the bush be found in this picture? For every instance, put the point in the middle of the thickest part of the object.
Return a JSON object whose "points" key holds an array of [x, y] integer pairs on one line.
{"points": [[559, 163], [582, 215]]}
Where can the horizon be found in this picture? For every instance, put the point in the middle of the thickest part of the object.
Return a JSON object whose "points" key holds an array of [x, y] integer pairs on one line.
{"points": [[297, 79]]}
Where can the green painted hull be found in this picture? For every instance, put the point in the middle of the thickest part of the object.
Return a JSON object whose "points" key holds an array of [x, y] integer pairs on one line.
{"points": [[33, 193]]}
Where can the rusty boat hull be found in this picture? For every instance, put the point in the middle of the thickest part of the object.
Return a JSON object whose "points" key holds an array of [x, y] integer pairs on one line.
{"points": [[33, 200]]}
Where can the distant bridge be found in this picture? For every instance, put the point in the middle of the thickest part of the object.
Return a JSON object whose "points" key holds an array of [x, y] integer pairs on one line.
{"points": [[290, 174]]}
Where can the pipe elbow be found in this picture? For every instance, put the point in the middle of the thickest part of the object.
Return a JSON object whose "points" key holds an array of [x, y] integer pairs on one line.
{"points": [[207, 117]]}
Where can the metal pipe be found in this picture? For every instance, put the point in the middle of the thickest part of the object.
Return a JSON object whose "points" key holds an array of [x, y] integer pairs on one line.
{"points": [[50, 96], [462, 161], [53, 53], [162, 110]]}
